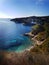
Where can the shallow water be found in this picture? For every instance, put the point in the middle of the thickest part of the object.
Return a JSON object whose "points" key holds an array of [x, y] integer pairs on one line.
{"points": [[11, 36]]}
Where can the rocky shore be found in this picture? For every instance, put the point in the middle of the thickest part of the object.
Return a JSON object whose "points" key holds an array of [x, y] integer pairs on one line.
{"points": [[33, 38], [37, 20]]}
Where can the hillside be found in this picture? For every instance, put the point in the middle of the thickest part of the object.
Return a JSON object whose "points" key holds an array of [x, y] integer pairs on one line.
{"points": [[30, 19]]}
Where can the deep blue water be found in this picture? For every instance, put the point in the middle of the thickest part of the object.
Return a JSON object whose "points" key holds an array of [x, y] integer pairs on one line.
{"points": [[11, 36]]}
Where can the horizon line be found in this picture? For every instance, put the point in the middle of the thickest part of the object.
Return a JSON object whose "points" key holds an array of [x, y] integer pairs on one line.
{"points": [[25, 16]]}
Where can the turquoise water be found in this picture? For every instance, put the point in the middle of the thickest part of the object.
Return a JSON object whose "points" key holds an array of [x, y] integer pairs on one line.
{"points": [[11, 36], [26, 43]]}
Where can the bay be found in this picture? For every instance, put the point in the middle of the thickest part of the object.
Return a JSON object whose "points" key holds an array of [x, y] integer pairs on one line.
{"points": [[11, 36]]}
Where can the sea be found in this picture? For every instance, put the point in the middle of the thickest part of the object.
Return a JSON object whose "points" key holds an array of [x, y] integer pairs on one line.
{"points": [[11, 36]]}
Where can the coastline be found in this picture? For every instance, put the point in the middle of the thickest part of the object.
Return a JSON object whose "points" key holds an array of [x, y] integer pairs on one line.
{"points": [[30, 36], [33, 38]]}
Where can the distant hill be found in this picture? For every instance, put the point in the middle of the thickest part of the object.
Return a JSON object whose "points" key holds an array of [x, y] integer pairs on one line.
{"points": [[31, 18]]}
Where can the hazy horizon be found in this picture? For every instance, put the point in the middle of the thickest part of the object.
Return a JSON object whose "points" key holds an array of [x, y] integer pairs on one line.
{"points": [[21, 17]]}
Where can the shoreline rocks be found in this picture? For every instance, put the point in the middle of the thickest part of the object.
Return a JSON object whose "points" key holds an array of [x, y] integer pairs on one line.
{"points": [[29, 35]]}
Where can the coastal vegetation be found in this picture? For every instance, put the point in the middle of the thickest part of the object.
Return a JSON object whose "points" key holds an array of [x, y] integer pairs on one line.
{"points": [[42, 36], [43, 48]]}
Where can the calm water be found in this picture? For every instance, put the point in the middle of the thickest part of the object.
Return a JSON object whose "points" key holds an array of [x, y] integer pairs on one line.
{"points": [[11, 36]]}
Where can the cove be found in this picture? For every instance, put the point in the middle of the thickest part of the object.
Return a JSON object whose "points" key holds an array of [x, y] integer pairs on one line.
{"points": [[11, 36]]}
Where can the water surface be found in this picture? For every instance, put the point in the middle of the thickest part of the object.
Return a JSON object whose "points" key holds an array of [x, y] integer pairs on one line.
{"points": [[11, 36]]}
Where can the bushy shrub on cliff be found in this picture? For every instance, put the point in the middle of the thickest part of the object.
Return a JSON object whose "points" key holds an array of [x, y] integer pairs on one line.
{"points": [[41, 36], [37, 28]]}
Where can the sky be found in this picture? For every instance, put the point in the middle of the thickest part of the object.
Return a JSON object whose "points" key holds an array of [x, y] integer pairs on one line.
{"points": [[23, 8]]}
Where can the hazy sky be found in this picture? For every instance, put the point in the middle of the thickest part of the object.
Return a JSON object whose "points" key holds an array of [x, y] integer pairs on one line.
{"points": [[20, 8]]}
